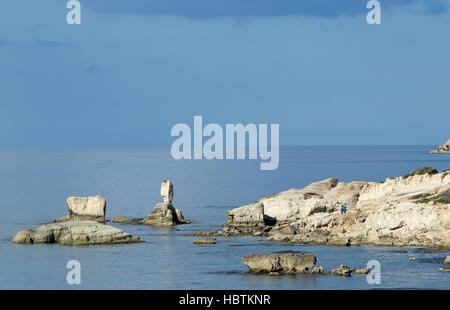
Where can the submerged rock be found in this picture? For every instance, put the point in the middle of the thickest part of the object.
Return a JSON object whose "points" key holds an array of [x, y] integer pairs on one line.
{"points": [[121, 219], [205, 241], [284, 263], [442, 149], [74, 233]]}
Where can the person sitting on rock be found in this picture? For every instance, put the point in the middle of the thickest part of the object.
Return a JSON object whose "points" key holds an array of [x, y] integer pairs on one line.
{"points": [[343, 209]]}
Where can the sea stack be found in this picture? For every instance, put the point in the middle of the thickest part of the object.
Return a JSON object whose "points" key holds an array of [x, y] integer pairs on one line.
{"points": [[167, 191], [164, 213], [442, 149]]}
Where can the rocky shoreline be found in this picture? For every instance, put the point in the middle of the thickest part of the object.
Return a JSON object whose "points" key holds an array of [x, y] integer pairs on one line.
{"points": [[413, 210]]}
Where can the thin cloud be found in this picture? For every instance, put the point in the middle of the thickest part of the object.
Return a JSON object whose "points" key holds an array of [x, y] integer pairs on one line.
{"points": [[203, 9], [35, 43], [42, 43]]}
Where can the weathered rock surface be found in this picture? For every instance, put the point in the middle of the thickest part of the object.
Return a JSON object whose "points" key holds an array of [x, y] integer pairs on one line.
{"points": [[447, 260], [74, 233], [442, 149], [402, 211], [362, 271], [167, 191], [164, 214], [205, 241], [85, 209], [284, 263], [343, 270]]}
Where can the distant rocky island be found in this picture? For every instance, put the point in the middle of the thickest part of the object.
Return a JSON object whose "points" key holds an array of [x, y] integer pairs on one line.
{"points": [[412, 210], [442, 149]]}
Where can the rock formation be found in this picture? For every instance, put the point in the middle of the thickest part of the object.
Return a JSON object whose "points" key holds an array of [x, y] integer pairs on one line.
{"points": [[343, 270], [74, 233], [293, 263], [447, 260], [402, 211], [164, 214], [442, 149], [284, 263], [205, 241], [81, 226], [167, 191], [85, 209]]}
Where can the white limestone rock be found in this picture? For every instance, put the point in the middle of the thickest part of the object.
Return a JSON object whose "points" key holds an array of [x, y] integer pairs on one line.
{"points": [[167, 191], [86, 208]]}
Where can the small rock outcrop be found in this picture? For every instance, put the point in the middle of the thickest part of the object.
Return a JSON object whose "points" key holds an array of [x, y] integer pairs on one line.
{"points": [[343, 270], [164, 214], [83, 225], [85, 209], [447, 260], [442, 149], [362, 271], [205, 241], [285, 263], [74, 233]]}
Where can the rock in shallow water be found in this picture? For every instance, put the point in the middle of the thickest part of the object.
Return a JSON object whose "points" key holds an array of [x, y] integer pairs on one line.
{"points": [[447, 260], [343, 271], [285, 263], [74, 233], [164, 214], [205, 241]]}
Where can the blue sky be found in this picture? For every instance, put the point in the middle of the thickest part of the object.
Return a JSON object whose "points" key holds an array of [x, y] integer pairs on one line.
{"points": [[133, 69]]}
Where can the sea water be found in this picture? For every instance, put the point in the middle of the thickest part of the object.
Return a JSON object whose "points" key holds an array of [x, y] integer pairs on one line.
{"points": [[35, 183]]}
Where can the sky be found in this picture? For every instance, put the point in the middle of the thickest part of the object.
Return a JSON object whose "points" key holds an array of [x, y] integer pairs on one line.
{"points": [[133, 69]]}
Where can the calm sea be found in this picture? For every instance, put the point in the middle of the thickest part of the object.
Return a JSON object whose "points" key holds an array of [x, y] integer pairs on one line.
{"points": [[35, 183]]}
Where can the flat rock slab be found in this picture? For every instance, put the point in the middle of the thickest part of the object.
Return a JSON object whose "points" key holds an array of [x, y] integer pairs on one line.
{"points": [[205, 241], [74, 233], [284, 263]]}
